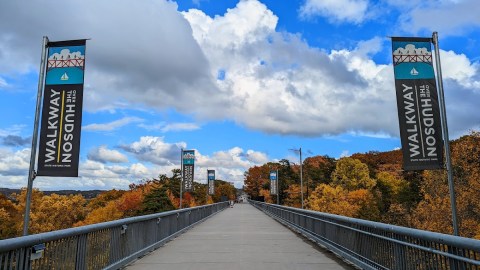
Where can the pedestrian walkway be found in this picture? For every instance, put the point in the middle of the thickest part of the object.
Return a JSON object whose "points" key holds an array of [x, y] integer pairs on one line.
{"points": [[241, 237]]}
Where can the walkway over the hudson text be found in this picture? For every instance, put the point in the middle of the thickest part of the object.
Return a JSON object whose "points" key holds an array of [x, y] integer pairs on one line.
{"points": [[241, 237]]}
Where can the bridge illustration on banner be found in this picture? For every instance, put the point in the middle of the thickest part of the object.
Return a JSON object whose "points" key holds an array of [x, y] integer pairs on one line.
{"points": [[66, 60], [410, 54]]}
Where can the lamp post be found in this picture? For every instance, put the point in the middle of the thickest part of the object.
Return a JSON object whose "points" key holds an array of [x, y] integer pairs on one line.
{"points": [[301, 173]]}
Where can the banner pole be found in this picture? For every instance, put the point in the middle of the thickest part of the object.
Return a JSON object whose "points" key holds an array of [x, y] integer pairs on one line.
{"points": [[278, 191], [33, 152], [208, 186], [301, 175], [181, 177], [443, 116]]}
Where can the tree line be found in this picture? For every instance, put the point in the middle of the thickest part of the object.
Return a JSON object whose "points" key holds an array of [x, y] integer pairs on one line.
{"points": [[56, 212], [373, 186]]}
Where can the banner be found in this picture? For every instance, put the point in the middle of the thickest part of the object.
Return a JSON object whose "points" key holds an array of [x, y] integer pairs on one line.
{"points": [[211, 182], [61, 120], [273, 182], [417, 102], [188, 159]]}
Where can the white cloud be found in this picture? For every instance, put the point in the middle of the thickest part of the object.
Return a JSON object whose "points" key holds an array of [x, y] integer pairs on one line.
{"points": [[345, 153], [103, 155], [134, 70], [274, 81], [14, 163], [3, 83], [431, 16], [155, 150], [353, 11], [13, 130], [112, 125], [163, 127]]}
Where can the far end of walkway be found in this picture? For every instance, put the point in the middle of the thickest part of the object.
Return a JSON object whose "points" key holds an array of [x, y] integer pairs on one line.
{"points": [[241, 237]]}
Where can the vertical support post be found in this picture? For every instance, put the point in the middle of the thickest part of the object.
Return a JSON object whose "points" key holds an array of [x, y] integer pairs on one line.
{"points": [[278, 191], [443, 116], [181, 177], [301, 175], [33, 152], [208, 187]]}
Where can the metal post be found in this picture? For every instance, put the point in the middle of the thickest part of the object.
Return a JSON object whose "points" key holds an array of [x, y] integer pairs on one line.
{"points": [[181, 177], [301, 175], [33, 152], [208, 187], [278, 191], [443, 116]]}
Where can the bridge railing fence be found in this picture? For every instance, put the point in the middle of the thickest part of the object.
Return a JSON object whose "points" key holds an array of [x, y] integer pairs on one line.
{"points": [[374, 245], [108, 245]]}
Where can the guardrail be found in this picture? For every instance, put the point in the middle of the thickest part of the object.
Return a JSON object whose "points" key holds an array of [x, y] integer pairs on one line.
{"points": [[108, 245], [374, 245]]}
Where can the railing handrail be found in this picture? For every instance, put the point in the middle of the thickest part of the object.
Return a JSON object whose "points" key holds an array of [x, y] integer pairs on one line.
{"points": [[448, 239], [375, 245], [31, 240]]}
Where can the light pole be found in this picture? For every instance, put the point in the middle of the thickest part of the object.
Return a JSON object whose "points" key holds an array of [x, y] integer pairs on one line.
{"points": [[301, 173]]}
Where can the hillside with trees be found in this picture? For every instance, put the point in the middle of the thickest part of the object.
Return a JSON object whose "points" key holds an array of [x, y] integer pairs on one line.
{"points": [[52, 211], [373, 186]]}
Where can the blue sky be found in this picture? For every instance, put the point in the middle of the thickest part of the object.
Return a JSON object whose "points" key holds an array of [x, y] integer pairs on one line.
{"points": [[241, 82]]}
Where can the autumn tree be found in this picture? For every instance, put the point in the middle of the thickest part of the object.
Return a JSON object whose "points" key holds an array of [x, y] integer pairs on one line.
{"points": [[9, 217], [352, 174]]}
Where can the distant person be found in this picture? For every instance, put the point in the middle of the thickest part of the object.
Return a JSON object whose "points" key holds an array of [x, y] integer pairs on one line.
{"points": [[231, 203]]}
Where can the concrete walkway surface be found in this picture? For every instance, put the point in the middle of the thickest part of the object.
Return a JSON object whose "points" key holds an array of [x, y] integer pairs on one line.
{"points": [[241, 237]]}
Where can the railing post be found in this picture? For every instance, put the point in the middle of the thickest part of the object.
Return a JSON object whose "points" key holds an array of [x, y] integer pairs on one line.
{"points": [[80, 263]]}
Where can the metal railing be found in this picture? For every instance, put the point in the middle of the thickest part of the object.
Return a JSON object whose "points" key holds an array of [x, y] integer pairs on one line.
{"points": [[108, 245], [374, 245]]}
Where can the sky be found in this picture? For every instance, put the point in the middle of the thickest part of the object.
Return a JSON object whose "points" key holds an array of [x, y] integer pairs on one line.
{"points": [[242, 82]]}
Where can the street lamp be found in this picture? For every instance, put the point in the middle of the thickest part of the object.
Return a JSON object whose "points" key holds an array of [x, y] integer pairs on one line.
{"points": [[301, 171]]}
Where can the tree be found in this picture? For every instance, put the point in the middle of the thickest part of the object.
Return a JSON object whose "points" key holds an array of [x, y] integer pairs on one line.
{"points": [[102, 214], [352, 174], [9, 217], [157, 201]]}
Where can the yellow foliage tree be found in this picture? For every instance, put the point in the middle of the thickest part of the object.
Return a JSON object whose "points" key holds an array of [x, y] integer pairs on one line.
{"points": [[352, 174], [293, 197], [102, 214]]}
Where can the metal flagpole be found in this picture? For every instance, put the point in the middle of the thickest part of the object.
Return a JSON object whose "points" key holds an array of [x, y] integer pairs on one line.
{"points": [[208, 186], [301, 175], [181, 177], [443, 116], [278, 191], [33, 152]]}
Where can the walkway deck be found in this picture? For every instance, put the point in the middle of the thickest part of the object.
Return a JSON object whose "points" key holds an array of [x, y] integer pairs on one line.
{"points": [[241, 237]]}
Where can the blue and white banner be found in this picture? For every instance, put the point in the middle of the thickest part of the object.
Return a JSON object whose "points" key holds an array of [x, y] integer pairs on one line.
{"points": [[417, 102], [273, 182], [61, 122], [211, 181], [188, 160]]}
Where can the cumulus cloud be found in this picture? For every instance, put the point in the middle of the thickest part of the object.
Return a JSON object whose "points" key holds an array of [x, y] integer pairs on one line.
{"points": [[142, 54], [282, 85], [112, 125], [352, 11], [270, 81], [155, 150], [15, 140], [103, 154], [14, 163]]}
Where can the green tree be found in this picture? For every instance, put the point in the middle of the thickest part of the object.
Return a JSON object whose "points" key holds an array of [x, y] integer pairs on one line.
{"points": [[156, 201], [352, 174]]}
